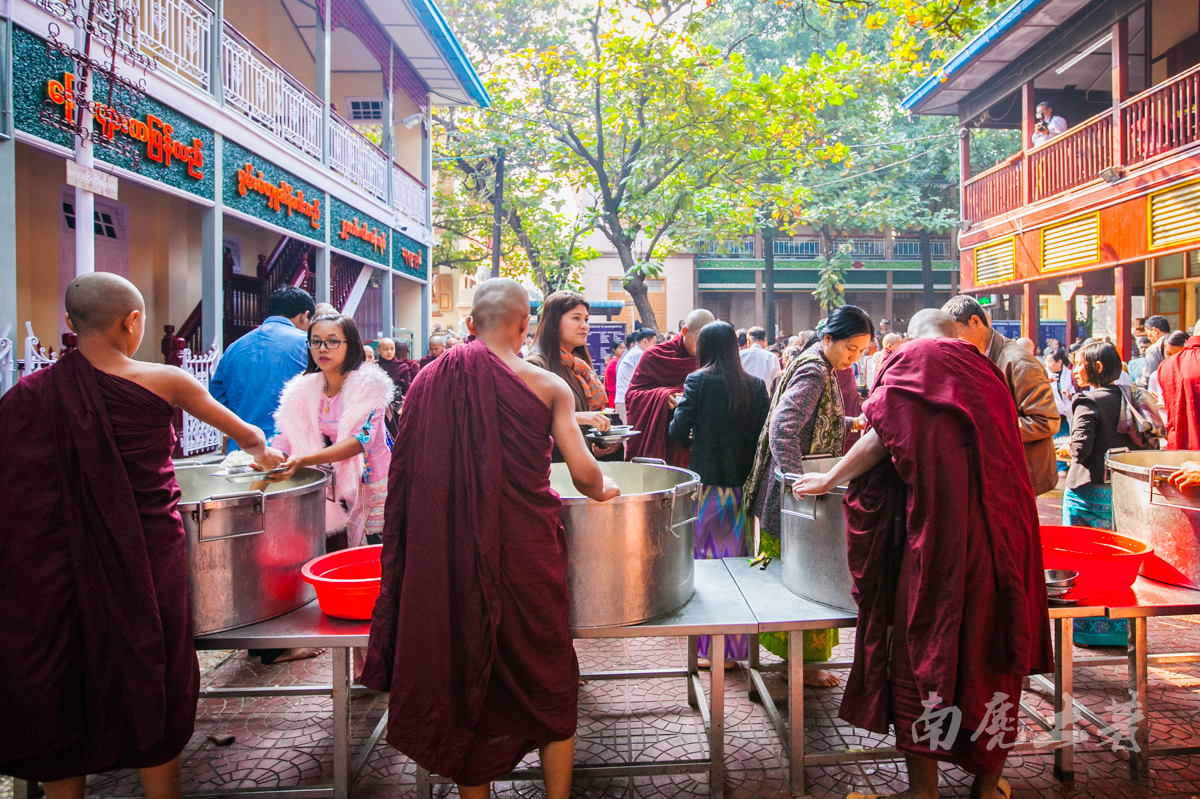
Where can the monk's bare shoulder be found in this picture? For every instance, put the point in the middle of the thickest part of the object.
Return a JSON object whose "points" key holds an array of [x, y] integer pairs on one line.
{"points": [[548, 386], [169, 382]]}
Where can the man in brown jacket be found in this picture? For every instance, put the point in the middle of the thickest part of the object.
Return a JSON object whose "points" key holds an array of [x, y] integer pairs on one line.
{"points": [[1037, 414]]}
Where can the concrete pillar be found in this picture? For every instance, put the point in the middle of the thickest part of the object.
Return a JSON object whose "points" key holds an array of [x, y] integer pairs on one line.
{"points": [[389, 303], [216, 83], [212, 260], [322, 265], [889, 298], [8, 247], [389, 122], [85, 201], [323, 82]]}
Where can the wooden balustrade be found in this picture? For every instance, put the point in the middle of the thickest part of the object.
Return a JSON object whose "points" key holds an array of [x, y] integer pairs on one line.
{"points": [[1072, 159], [1163, 118], [994, 192]]}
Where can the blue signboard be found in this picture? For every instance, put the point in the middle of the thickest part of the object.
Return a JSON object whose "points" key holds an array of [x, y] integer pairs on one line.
{"points": [[602, 339]]}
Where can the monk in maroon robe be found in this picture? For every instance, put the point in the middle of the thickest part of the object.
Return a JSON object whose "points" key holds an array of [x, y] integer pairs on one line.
{"points": [[944, 546], [1179, 377], [470, 632], [97, 662], [655, 390], [437, 345]]}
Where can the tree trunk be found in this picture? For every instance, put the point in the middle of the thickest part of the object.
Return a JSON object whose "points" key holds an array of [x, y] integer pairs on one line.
{"points": [[768, 240], [926, 268], [641, 302]]}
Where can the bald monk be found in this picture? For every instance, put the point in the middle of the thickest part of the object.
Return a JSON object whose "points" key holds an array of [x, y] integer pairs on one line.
{"points": [[97, 662], [437, 345], [655, 390], [944, 547], [470, 631], [324, 309]]}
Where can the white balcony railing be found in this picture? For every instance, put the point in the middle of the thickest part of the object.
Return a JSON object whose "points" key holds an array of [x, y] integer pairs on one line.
{"points": [[266, 93], [178, 34], [408, 195], [356, 158]]}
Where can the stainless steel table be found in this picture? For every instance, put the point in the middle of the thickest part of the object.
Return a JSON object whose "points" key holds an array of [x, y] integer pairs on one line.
{"points": [[304, 627], [779, 610], [717, 609]]}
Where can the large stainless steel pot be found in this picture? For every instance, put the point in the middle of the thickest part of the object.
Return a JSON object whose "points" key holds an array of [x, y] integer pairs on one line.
{"points": [[630, 559], [1148, 508], [245, 548], [813, 533]]}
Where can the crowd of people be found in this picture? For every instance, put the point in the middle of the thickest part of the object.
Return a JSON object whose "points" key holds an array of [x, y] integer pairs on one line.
{"points": [[445, 461]]}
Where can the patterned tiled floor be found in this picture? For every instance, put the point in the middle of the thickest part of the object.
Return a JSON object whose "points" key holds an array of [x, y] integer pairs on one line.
{"points": [[283, 742]]}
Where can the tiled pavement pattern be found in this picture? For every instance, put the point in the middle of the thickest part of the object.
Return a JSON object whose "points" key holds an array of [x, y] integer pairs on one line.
{"points": [[282, 742]]}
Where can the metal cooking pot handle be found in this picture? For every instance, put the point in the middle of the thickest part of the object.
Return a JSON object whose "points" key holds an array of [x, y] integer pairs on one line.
{"points": [[1109, 454], [239, 499], [791, 478], [1158, 478], [655, 461]]}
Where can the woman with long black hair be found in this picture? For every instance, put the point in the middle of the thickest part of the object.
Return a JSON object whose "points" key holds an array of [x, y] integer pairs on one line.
{"points": [[719, 418], [807, 417], [560, 346]]}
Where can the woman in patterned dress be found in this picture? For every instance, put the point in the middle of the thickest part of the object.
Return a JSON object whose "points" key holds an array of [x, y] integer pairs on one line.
{"points": [[719, 418], [807, 418]]}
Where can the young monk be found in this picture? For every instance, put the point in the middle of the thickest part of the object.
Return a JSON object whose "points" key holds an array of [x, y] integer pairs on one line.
{"points": [[945, 550], [657, 387], [470, 631], [96, 654]]}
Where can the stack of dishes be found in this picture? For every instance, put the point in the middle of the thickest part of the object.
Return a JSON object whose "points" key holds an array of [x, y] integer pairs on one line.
{"points": [[1060, 586], [616, 433]]}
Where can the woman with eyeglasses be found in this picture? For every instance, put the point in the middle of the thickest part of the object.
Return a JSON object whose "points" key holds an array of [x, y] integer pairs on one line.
{"points": [[334, 414]]}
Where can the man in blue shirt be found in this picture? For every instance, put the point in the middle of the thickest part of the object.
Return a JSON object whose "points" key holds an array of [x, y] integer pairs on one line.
{"points": [[251, 373]]}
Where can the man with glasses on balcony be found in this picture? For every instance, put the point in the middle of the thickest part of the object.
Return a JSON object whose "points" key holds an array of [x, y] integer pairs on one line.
{"points": [[251, 373], [1047, 125]]}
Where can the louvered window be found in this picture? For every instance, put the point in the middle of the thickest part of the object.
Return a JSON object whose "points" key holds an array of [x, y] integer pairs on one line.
{"points": [[1072, 243], [996, 263], [1175, 216]]}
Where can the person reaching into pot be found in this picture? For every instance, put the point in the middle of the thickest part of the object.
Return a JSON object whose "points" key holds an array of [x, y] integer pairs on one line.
{"points": [[807, 418], [334, 414]]}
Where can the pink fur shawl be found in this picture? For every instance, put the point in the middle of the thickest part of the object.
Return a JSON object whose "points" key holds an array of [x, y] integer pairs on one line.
{"points": [[367, 388]]}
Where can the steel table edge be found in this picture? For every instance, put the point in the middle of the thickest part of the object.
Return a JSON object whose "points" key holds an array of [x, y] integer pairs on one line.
{"points": [[652, 630]]}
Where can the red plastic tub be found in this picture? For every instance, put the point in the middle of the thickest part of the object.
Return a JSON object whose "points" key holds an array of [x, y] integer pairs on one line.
{"points": [[347, 582], [1106, 561]]}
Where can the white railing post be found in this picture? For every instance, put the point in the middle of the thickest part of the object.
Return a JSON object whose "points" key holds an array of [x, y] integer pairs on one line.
{"points": [[197, 436], [7, 362]]}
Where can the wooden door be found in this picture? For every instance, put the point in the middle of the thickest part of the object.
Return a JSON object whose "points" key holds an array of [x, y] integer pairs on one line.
{"points": [[783, 315]]}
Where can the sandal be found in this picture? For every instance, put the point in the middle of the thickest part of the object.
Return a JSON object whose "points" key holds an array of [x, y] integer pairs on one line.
{"points": [[1003, 787], [857, 795]]}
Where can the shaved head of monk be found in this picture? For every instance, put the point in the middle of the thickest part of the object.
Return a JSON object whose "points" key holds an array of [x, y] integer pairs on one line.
{"points": [[97, 303], [500, 312], [692, 326], [932, 323]]}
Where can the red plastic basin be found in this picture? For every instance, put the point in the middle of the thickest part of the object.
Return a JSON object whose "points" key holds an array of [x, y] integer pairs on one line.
{"points": [[1106, 561], [347, 582]]}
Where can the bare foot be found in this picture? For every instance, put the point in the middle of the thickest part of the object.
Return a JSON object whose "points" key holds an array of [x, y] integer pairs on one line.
{"points": [[820, 679], [298, 654], [703, 663]]}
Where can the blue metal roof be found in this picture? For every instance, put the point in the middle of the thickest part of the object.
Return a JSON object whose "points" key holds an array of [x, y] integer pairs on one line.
{"points": [[431, 17], [1005, 22]]}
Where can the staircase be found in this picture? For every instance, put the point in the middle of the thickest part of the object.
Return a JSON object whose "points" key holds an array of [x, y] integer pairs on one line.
{"points": [[246, 297]]}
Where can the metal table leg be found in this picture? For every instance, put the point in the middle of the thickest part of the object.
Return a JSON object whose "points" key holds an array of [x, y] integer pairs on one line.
{"points": [[716, 729], [693, 668], [796, 710], [1139, 756], [1064, 691], [341, 723], [424, 787]]}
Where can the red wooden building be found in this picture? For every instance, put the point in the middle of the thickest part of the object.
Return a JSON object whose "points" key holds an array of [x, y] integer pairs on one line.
{"points": [[1109, 208]]}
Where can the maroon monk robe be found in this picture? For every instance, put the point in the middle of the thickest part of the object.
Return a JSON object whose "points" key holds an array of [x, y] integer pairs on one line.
{"points": [[96, 652], [425, 361], [470, 631], [851, 403], [659, 374], [958, 569], [1179, 377], [401, 372]]}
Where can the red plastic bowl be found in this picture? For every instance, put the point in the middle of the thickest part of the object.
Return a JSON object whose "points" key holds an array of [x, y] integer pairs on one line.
{"points": [[347, 582], [1106, 561]]}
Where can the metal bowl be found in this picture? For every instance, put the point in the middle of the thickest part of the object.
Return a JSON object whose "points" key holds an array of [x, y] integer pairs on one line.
{"points": [[1061, 578]]}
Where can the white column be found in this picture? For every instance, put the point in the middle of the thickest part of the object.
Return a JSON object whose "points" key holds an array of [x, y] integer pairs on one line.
{"points": [[216, 38], [321, 267], [212, 260], [85, 201], [324, 43]]}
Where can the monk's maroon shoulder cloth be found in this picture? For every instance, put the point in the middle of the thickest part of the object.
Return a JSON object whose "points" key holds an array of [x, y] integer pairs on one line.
{"points": [[944, 543], [660, 373], [97, 661], [470, 632]]}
